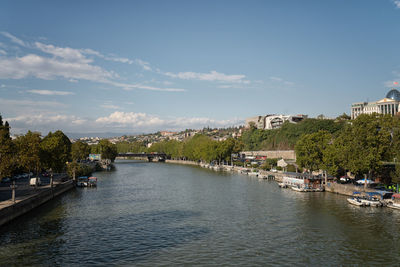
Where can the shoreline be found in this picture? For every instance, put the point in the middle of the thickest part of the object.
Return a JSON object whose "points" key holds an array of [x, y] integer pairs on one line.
{"points": [[335, 188], [10, 210]]}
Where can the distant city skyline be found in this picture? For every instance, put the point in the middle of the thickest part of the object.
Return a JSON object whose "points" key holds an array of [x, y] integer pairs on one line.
{"points": [[146, 66]]}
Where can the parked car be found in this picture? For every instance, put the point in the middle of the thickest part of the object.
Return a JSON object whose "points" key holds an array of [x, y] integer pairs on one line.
{"points": [[362, 181], [32, 182], [5, 180]]}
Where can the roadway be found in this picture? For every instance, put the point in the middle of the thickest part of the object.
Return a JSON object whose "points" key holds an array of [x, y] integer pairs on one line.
{"points": [[23, 187]]}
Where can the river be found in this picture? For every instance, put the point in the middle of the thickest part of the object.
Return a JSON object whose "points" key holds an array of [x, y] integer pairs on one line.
{"points": [[152, 214]]}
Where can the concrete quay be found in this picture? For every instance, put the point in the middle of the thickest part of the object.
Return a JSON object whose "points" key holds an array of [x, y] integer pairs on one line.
{"points": [[23, 204]]}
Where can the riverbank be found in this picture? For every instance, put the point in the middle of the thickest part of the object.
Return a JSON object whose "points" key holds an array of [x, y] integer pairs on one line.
{"points": [[341, 189], [278, 176], [10, 210]]}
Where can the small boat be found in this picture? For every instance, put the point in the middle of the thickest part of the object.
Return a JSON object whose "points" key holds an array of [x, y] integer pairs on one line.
{"points": [[82, 181], [299, 189], [283, 185], [92, 182], [253, 174], [357, 202], [393, 206], [394, 203], [371, 199]]}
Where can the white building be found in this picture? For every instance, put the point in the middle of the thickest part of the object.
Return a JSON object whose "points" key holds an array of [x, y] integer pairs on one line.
{"points": [[269, 122], [387, 105]]}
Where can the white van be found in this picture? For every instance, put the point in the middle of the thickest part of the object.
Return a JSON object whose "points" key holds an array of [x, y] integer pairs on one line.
{"points": [[33, 181]]}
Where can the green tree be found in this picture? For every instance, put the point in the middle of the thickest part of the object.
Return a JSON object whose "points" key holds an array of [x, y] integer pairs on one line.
{"points": [[269, 164], [7, 151], [79, 150], [56, 151], [310, 150], [108, 150], [29, 151], [370, 139]]}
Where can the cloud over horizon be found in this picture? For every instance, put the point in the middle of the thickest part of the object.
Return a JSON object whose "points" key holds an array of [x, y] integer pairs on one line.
{"points": [[115, 122]]}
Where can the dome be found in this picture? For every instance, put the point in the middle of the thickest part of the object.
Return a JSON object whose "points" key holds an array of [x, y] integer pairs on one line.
{"points": [[393, 94]]}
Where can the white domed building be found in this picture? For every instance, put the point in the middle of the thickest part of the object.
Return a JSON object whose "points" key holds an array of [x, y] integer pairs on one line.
{"points": [[388, 105]]}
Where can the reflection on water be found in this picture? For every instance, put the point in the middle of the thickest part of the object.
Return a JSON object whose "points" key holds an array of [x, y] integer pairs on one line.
{"points": [[161, 214]]}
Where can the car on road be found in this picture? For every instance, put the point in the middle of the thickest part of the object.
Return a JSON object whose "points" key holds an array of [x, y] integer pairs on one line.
{"points": [[6, 180], [35, 180]]}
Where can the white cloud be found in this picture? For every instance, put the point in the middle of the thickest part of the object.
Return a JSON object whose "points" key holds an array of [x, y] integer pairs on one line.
{"points": [[29, 103], [212, 76], [129, 87], [2, 52], [146, 122], [14, 39], [45, 122], [49, 92], [109, 106], [281, 81], [89, 51], [50, 68], [225, 86], [68, 63], [397, 3], [66, 53], [145, 65]]}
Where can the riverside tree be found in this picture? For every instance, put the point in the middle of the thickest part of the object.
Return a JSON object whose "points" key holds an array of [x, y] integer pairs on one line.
{"points": [[56, 151], [369, 141], [310, 150], [107, 150], [79, 150], [7, 151], [29, 151]]}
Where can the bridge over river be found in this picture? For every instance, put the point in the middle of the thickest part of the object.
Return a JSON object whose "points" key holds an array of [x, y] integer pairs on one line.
{"points": [[150, 156]]}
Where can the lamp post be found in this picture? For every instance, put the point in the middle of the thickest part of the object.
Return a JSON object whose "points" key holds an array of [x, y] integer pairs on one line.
{"points": [[51, 178], [13, 188]]}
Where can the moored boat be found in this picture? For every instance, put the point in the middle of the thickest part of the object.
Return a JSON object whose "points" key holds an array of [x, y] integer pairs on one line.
{"points": [[92, 182], [371, 199], [299, 189], [82, 181], [394, 203], [282, 185], [252, 174], [356, 201]]}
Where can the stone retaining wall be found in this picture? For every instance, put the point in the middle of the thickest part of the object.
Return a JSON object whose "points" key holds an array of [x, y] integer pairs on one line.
{"points": [[345, 189], [27, 203]]}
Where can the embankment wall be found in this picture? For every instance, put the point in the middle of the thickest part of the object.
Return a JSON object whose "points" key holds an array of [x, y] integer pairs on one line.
{"points": [[345, 189], [28, 203]]}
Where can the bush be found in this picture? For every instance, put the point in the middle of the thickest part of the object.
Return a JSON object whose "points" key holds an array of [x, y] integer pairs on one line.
{"points": [[80, 169], [291, 168]]}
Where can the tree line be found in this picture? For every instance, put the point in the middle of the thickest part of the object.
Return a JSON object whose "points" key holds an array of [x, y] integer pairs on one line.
{"points": [[32, 153], [368, 145]]}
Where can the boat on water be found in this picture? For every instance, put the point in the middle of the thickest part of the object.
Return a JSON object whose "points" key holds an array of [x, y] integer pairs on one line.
{"points": [[253, 174], [298, 189], [307, 189], [92, 182], [82, 181], [394, 203], [283, 185], [371, 199], [357, 202]]}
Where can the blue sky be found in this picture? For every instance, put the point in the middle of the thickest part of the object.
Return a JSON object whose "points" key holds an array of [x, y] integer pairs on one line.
{"points": [[144, 66]]}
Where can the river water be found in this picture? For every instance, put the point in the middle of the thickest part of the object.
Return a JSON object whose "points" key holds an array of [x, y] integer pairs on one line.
{"points": [[152, 214]]}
